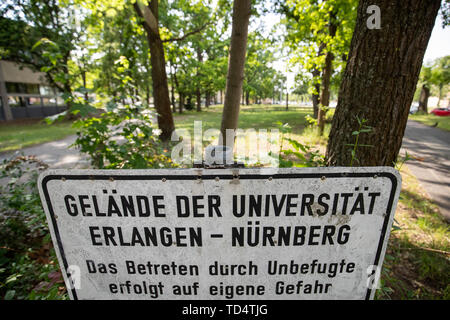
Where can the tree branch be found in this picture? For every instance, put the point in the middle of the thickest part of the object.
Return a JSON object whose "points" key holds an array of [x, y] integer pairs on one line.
{"points": [[149, 18], [190, 33]]}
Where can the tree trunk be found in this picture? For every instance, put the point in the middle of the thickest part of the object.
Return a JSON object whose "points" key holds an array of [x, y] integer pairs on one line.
{"points": [[172, 95], [315, 101], [236, 61], [325, 94], [316, 74], [247, 98], [326, 77], [287, 101], [159, 76], [181, 102], [423, 99], [147, 93], [207, 99], [86, 95], [198, 91], [440, 95], [379, 81]]}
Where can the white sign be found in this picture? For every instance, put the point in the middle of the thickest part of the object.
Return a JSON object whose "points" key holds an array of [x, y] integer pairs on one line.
{"points": [[298, 233]]}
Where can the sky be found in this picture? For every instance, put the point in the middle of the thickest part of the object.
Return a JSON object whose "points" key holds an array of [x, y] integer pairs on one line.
{"points": [[439, 44]]}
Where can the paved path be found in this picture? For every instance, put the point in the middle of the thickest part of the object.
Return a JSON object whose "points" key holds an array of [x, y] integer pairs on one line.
{"points": [[431, 147], [56, 154]]}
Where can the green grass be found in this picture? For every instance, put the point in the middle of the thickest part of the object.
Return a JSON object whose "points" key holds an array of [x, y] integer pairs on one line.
{"points": [[431, 120], [416, 264], [255, 116], [17, 135]]}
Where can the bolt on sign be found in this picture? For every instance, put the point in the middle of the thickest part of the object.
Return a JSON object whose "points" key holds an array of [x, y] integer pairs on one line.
{"points": [[297, 233]]}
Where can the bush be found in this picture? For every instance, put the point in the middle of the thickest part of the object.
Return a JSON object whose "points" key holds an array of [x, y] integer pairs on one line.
{"points": [[123, 138], [28, 264]]}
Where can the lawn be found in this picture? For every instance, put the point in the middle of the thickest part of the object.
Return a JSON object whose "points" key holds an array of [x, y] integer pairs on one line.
{"points": [[250, 148], [416, 264], [432, 120], [20, 134], [254, 116]]}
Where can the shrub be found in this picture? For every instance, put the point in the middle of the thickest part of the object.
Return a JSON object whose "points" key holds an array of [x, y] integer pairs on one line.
{"points": [[124, 138], [28, 264]]}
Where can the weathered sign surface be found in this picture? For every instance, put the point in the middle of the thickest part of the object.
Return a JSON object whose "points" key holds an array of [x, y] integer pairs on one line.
{"points": [[315, 233]]}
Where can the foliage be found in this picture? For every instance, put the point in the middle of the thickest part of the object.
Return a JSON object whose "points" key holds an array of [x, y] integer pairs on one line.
{"points": [[23, 23], [440, 74], [76, 100], [307, 35], [28, 265], [117, 51], [297, 154], [261, 80], [416, 262], [197, 63], [435, 76], [363, 128], [124, 138]]}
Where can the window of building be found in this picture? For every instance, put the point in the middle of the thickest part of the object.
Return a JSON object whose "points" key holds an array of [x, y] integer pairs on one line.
{"points": [[46, 90], [19, 87], [16, 101]]}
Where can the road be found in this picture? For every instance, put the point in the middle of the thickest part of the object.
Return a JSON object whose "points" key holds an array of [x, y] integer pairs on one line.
{"points": [[431, 147]]}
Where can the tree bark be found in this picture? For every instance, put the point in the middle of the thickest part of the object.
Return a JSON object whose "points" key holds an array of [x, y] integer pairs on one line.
{"points": [[379, 81], [172, 90], [440, 95], [287, 101], [326, 77], [236, 61], [181, 103], [207, 99], [423, 99], [174, 105], [159, 77], [198, 91], [325, 94], [316, 97]]}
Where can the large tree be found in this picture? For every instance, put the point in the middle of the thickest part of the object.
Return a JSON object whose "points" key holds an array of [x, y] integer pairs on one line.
{"points": [[24, 23], [150, 14], [236, 61], [379, 81], [319, 34], [440, 75]]}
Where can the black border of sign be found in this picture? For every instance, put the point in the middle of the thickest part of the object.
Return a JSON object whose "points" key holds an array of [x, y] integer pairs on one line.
{"points": [[242, 176]]}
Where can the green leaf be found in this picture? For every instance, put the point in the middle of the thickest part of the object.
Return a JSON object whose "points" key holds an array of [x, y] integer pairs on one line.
{"points": [[12, 278], [10, 294]]}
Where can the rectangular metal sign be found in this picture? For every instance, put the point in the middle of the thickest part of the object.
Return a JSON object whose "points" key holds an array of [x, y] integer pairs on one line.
{"points": [[297, 233]]}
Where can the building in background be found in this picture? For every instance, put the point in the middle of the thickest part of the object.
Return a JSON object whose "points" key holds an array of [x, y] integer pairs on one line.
{"points": [[25, 93]]}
